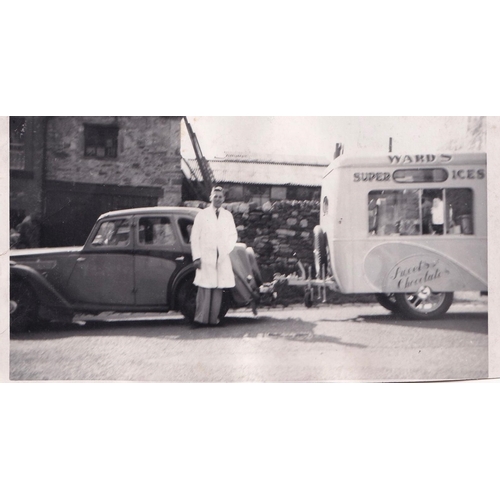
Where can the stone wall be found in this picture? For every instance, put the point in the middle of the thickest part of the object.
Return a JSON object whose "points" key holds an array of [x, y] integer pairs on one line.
{"points": [[281, 233], [148, 154]]}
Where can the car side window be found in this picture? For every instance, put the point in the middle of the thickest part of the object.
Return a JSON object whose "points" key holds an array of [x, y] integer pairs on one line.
{"points": [[156, 231], [185, 226], [113, 233]]}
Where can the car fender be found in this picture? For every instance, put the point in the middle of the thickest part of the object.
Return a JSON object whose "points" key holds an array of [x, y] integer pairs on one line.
{"points": [[47, 295]]}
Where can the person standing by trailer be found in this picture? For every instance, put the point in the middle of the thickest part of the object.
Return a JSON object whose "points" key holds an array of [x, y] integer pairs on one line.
{"points": [[213, 237]]}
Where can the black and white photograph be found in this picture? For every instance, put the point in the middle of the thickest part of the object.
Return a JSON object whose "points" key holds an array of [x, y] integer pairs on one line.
{"points": [[248, 249]]}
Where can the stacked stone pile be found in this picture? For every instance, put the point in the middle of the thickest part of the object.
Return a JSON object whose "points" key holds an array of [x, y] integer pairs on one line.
{"points": [[280, 233]]}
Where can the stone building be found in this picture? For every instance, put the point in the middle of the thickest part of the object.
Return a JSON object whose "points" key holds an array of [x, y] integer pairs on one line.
{"points": [[72, 169], [26, 137]]}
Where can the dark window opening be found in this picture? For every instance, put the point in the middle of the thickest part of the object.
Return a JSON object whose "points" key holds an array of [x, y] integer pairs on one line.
{"points": [[101, 141], [459, 211], [301, 193], [156, 231], [256, 194], [185, 226]]}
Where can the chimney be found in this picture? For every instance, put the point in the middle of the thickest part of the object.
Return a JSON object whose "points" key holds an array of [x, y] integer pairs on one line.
{"points": [[339, 149]]}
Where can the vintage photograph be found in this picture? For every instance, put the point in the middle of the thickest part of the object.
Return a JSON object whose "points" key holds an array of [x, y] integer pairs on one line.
{"points": [[248, 249]]}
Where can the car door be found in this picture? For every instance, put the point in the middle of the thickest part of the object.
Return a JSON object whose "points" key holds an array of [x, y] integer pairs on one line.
{"points": [[103, 275], [158, 256]]}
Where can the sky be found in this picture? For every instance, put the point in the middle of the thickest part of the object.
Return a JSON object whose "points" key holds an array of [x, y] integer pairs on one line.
{"points": [[317, 136]]}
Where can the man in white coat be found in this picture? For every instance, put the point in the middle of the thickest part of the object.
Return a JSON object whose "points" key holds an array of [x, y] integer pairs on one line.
{"points": [[213, 237]]}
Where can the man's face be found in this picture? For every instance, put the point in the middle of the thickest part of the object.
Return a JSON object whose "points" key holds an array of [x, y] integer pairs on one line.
{"points": [[217, 199]]}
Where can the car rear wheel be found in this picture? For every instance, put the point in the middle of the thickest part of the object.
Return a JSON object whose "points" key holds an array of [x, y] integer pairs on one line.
{"points": [[423, 304], [187, 300], [23, 307]]}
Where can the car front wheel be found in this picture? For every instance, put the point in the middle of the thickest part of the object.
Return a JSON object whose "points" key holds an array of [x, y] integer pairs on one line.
{"points": [[23, 307]]}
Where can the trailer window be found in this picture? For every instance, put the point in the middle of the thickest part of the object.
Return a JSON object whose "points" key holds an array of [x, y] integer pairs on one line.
{"points": [[394, 212], [459, 211], [408, 212]]}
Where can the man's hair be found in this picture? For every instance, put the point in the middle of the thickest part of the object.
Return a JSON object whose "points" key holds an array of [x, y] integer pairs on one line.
{"points": [[217, 189]]}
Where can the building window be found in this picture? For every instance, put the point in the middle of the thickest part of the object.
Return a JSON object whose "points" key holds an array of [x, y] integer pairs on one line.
{"points": [[300, 193], [17, 133], [278, 193], [234, 192], [101, 141], [256, 194]]}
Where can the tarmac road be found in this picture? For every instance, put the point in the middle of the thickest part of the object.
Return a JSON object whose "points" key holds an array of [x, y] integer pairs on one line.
{"points": [[324, 343]]}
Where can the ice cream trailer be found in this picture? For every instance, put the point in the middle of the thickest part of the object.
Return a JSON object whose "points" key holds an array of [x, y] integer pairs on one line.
{"points": [[410, 228]]}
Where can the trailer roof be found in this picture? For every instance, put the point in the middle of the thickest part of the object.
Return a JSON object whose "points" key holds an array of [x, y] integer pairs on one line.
{"points": [[409, 160]]}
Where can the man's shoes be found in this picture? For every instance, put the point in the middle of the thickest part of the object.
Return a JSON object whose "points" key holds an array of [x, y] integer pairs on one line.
{"points": [[195, 325]]}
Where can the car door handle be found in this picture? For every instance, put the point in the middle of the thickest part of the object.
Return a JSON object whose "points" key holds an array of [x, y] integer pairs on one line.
{"points": [[81, 259], [180, 259]]}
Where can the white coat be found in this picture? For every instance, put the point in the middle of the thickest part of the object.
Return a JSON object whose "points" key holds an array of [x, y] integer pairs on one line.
{"points": [[211, 235]]}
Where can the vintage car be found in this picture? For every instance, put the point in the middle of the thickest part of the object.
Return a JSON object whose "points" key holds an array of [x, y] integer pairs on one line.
{"points": [[134, 260]]}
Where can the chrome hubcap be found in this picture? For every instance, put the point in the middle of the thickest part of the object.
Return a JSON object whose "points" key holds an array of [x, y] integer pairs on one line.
{"points": [[424, 293], [425, 300]]}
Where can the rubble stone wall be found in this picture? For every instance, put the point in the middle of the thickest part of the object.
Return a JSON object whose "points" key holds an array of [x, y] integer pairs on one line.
{"points": [[281, 233]]}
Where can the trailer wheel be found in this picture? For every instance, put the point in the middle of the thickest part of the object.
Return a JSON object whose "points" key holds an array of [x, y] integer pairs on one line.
{"points": [[255, 267], [319, 250], [387, 300], [423, 304]]}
